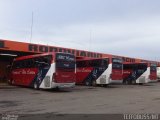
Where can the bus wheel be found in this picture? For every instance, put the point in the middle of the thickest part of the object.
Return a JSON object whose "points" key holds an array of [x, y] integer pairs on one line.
{"points": [[134, 82], [105, 85], [12, 82], [127, 82], [94, 83], [87, 83], [140, 83], [124, 82], [57, 89], [36, 86]]}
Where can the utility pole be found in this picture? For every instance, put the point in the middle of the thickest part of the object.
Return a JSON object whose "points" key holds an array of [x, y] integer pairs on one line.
{"points": [[31, 28], [90, 40]]}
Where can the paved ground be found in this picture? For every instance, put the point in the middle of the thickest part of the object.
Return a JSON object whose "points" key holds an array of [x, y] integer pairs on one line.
{"points": [[116, 99]]}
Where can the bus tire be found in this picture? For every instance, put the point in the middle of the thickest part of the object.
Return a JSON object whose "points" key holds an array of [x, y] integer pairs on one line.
{"points": [[127, 82], [9, 82], [57, 89], [12, 82], [124, 82], [140, 83], [105, 85], [94, 83], [87, 83], [35, 86], [134, 82]]}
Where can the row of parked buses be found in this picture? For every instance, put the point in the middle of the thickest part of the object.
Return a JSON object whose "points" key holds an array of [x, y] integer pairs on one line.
{"points": [[60, 70]]}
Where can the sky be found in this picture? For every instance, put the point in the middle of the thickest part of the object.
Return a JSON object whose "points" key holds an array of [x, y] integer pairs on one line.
{"points": [[120, 27]]}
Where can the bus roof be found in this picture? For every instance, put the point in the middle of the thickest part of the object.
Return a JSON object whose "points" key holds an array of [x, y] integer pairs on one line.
{"points": [[37, 55], [135, 63], [87, 59], [32, 56]]}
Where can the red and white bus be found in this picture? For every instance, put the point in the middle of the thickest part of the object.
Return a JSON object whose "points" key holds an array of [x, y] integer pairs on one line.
{"points": [[100, 71], [135, 73], [89, 71], [48, 70]]}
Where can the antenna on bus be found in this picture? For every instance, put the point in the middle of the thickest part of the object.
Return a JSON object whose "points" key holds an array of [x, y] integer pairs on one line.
{"points": [[31, 28]]}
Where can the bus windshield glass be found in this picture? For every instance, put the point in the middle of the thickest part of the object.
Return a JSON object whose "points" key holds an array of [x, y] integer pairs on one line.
{"points": [[153, 67], [116, 63], [65, 61]]}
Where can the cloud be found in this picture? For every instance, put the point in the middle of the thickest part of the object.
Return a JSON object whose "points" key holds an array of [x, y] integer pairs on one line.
{"points": [[129, 28]]}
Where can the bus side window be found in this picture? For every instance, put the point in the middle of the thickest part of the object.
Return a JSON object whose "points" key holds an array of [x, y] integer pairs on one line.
{"points": [[23, 64], [81, 64], [32, 62], [98, 63], [17, 65], [89, 63], [28, 63], [14, 65], [95, 63], [86, 64], [36, 62], [47, 59]]}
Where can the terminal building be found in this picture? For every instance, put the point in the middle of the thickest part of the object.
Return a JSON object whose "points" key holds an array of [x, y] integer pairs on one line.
{"points": [[12, 49]]}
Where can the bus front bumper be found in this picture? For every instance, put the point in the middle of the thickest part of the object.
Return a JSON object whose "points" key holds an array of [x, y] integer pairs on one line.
{"points": [[62, 85], [116, 81]]}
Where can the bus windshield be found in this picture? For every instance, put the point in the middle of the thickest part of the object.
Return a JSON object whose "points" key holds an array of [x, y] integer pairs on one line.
{"points": [[153, 68], [65, 61], [117, 66], [116, 63]]}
